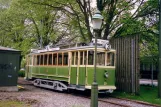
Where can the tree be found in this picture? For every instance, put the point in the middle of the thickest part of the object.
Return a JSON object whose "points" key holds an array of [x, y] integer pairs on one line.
{"points": [[48, 21]]}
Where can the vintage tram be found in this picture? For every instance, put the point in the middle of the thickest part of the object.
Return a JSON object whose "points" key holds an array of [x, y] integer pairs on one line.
{"points": [[72, 68]]}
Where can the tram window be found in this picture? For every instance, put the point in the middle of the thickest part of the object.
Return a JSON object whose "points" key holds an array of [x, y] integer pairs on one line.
{"points": [[30, 60], [65, 59], [41, 60], [60, 59], [45, 59], [81, 58], [85, 57], [34, 63], [38, 60], [90, 57], [72, 58], [50, 59], [101, 58], [76, 58], [27, 60], [54, 59], [110, 59]]}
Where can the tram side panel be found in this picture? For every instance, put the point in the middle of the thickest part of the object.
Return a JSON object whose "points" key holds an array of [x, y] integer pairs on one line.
{"points": [[82, 76], [73, 76], [105, 78], [52, 73], [101, 78]]}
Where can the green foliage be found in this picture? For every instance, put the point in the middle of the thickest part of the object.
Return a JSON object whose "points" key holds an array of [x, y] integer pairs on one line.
{"points": [[21, 73], [27, 24]]}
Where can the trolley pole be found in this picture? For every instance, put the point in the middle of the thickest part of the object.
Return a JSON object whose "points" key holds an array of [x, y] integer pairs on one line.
{"points": [[159, 75]]}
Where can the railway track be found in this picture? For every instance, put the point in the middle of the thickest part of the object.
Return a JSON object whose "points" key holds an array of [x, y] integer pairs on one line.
{"points": [[114, 103], [120, 102], [127, 102], [123, 102], [140, 102]]}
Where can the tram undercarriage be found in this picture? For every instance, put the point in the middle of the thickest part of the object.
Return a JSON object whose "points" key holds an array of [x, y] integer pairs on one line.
{"points": [[60, 86]]}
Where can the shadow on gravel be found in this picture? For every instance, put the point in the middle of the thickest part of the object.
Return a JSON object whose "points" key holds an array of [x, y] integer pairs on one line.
{"points": [[86, 93]]}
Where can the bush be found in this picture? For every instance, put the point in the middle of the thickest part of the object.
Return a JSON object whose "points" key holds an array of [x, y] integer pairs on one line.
{"points": [[21, 73]]}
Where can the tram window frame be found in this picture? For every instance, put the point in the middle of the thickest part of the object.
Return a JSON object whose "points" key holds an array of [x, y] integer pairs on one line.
{"points": [[55, 59]]}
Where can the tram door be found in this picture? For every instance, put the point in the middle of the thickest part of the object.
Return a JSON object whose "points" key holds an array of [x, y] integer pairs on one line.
{"points": [[78, 70], [82, 68], [74, 67]]}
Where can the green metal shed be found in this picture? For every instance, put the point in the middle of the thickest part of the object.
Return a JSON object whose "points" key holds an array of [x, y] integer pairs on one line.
{"points": [[9, 67]]}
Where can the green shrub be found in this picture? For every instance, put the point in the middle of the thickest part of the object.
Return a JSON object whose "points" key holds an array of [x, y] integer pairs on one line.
{"points": [[21, 73]]}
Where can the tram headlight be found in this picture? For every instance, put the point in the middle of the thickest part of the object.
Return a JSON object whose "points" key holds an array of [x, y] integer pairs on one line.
{"points": [[106, 74]]}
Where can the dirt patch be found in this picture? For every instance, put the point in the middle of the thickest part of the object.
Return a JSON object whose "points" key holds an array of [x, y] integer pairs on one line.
{"points": [[15, 97]]}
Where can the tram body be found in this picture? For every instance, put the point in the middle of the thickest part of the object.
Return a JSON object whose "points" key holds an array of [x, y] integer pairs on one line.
{"points": [[72, 68]]}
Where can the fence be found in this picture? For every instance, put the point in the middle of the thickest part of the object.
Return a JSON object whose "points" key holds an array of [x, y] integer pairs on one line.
{"points": [[127, 63]]}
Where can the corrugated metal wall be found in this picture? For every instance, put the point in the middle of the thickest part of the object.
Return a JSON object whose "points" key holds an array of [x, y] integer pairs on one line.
{"points": [[127, 63]]}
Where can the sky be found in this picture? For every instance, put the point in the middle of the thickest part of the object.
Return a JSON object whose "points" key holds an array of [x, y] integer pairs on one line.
{"points": [[93, 4]]}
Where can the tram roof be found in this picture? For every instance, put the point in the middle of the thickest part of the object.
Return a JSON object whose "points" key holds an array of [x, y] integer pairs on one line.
{"points": [[76, 48]]}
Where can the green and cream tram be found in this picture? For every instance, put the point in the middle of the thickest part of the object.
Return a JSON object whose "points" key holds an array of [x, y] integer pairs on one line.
{"points": [[72, 68]]}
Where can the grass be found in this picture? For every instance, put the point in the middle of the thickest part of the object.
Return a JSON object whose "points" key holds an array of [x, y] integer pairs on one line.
{"points": [[13, 104], [147, 94]]}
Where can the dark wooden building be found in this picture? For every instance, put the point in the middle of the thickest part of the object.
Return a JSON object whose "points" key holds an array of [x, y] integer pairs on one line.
{"points": [[9, 67]]}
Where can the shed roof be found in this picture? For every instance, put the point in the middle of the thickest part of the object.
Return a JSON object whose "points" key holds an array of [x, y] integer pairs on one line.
{"points": [[7, 49]]}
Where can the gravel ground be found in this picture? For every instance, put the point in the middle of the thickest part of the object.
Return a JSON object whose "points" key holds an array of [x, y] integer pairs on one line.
{"points": [[38, 97], [46, 98]]}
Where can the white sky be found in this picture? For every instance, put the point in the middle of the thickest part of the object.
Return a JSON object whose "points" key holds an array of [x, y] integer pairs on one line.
{"points": [[93, 4]]}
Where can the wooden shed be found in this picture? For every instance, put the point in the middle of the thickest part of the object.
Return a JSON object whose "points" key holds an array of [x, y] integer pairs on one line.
{"points": [[9, 67]]}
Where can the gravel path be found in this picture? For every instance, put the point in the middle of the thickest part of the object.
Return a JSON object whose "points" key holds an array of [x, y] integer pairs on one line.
{"points": [[38, 97]]}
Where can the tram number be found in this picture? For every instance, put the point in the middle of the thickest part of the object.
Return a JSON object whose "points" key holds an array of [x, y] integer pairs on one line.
{"points": [[55, 86]]}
